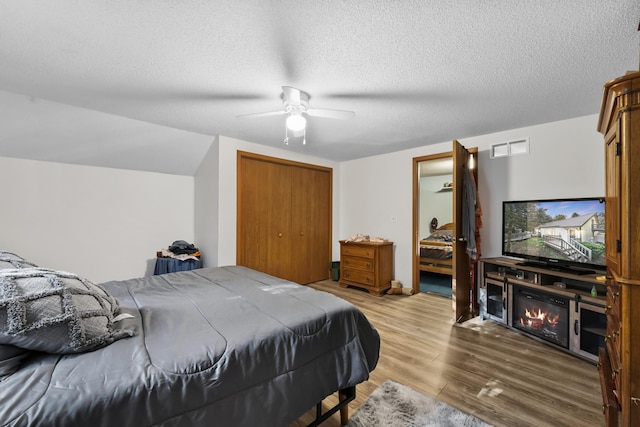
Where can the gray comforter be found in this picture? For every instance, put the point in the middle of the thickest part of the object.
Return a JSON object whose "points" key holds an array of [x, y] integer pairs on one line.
{"points": [[224, 346]]}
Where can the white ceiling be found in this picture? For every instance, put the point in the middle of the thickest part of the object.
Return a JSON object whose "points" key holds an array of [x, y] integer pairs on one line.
{"points": [[147, 85]]}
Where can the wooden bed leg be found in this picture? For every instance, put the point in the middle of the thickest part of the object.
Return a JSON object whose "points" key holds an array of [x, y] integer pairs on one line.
{"points": [[344, 397], [344, 411]]}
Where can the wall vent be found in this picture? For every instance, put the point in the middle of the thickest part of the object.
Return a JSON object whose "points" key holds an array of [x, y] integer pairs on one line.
{"points": [[509, 148]]}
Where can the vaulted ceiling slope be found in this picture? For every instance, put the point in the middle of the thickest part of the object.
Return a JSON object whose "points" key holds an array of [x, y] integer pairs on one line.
{"points": [[148, 85]]}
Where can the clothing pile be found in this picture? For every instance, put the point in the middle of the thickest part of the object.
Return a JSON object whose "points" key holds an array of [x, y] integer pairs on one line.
{"points": [[180, 250], [365, 238]]}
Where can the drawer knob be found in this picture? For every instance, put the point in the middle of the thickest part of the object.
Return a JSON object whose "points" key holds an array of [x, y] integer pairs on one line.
{"points": [[279, 234]]}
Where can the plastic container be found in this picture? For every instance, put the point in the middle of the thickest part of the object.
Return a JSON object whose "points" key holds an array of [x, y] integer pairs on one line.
{"points": [[335, 270]]}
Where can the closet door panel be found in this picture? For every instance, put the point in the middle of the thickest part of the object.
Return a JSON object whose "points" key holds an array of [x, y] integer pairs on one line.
{"points": [[263, 217], [277, 192], [311, 224]]}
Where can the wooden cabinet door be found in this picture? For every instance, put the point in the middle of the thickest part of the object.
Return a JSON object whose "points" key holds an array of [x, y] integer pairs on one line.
{"points": [[462, 286], [629, 175], [310, 224], [264, 217], [612, 200]]}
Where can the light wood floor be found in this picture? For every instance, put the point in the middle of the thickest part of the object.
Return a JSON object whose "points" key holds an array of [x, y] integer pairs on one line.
{"points": [[494, 373]]}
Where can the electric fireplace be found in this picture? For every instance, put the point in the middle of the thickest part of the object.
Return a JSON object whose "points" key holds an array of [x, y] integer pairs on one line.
{"points": [[541, 314]]}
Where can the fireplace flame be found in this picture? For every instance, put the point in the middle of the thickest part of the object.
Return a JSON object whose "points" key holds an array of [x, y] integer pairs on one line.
{"points": [[533, 319]]}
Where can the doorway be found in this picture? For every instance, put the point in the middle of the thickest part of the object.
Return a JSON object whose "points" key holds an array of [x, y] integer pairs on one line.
{"points": [[440, 243], [435, 231]]}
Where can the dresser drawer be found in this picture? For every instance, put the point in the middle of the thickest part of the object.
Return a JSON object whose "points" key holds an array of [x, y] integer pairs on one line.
{"points": [[610, 405], [359, 276], [359, 251], [613, 300], [613, 351], [357, 263], [613, 337]]}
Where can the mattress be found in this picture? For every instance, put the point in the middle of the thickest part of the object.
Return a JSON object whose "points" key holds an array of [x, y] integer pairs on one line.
{"points": [[438, 245], [225, 346]]}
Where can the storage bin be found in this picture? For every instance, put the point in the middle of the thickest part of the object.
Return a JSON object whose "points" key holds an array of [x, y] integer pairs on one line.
{"points": [[335, 270]]}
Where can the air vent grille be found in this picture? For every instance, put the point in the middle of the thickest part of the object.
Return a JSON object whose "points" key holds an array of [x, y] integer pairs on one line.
{"points": [[509, 148]]}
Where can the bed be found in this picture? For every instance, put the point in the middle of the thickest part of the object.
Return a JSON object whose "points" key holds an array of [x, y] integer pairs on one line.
{"points": [[436, 251], [225, 346]]}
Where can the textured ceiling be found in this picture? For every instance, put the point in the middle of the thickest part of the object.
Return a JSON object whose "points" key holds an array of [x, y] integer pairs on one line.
{"points": [[170, 75]]}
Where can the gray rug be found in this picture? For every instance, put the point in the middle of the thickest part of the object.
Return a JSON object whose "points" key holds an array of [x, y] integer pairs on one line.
{"points": [[396, 405]]}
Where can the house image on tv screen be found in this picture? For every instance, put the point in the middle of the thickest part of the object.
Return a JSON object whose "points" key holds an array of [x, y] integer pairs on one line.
{"points": [[570, 230], [566, 236]]}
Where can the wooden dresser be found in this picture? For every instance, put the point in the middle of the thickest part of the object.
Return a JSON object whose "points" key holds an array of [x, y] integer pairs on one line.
{"points": [[619, 363], [366, 265]]}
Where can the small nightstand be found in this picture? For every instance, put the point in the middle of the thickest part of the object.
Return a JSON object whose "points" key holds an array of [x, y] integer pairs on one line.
{"points": [[366, 265]]}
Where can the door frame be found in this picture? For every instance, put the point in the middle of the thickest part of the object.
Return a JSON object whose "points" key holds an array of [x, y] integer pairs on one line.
{"points": [[416, 214], [459, 312]]}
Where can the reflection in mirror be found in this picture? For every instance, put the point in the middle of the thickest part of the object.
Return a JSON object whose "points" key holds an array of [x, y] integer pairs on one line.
{"points": [[435, 228]]}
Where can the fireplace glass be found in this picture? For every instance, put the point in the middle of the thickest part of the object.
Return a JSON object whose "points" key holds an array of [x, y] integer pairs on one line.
{"points": [[541, 314], [496, 300]]}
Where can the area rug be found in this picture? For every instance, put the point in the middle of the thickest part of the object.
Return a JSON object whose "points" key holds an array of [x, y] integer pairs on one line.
{"points": [[396, 405]]}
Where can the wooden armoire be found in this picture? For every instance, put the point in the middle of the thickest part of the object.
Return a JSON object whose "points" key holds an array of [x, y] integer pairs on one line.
{"points": [[619, 363], [284, 217]]}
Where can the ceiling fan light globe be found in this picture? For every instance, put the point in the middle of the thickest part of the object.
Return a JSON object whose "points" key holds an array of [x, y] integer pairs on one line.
{"points": [[296, 122]]}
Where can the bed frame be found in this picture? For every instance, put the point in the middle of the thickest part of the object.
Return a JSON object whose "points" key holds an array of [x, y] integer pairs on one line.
{"points": [[222, 345], [344, 397], [437, 265]]}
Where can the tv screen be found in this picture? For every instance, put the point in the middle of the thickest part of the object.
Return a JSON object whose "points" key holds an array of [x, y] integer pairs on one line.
{"points": [[562, 233]]}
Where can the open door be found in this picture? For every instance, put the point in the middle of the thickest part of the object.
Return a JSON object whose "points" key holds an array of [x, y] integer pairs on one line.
{"points": [[463, 286]]}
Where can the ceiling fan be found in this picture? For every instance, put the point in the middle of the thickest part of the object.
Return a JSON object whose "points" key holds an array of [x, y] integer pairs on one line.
{"points": [[296, 106]]}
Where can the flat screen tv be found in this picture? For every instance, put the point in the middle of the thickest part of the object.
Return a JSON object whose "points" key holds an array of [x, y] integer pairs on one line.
{"points": [[563, 234]]}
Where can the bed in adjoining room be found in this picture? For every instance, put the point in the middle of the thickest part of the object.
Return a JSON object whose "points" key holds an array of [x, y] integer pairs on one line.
{"points": [[225, 346], [436, 251]]}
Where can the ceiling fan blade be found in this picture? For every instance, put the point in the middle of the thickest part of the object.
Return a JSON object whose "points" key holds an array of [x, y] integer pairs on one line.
{"points": [[330, 114], [291, 95], [267, 114]]}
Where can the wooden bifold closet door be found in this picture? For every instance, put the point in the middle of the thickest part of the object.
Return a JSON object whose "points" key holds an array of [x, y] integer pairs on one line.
{"points": [[284, 218]]}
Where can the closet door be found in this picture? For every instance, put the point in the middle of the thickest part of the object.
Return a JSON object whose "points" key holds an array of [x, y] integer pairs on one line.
{"points": [[311, 224], [264, 220], [284, 218]]}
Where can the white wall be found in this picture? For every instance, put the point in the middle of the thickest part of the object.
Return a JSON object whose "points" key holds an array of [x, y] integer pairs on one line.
{"points": [[566, 159], [224, 155], [97, 222], [207, 207], [434, 203]]}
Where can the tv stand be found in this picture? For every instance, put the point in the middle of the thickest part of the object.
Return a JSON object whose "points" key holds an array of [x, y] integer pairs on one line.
{"points": [[557, 267], [501, 280]]}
